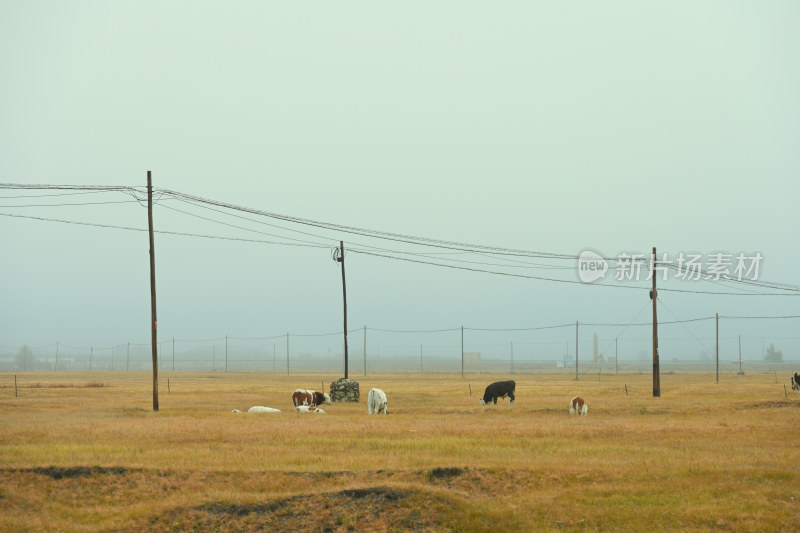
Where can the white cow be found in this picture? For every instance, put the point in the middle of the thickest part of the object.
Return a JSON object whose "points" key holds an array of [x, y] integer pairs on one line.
{"points": [[376, 401], [259, 409], [309, 409]]}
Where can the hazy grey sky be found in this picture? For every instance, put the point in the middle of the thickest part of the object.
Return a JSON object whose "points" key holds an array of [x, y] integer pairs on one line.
{"points": [[613, 126]]}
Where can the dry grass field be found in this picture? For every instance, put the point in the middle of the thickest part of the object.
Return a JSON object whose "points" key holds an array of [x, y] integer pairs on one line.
{"points": [[85, 452]]}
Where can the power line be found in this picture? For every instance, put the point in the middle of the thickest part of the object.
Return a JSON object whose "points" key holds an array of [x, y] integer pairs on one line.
{"points": [[371, 233], [456, 247], [163, 232], [522, 329], [70, 204]]}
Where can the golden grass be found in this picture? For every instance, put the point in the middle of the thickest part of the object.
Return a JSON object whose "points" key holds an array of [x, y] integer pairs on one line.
{"points": [[85, 452]]}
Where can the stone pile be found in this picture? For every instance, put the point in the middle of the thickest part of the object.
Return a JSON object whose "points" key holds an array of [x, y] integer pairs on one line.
{"points": [[344, 390]]}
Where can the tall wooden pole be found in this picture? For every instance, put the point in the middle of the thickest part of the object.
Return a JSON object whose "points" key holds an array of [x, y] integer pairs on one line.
{"points": [[287, 353], [462, 351], [56, 366], [576, 350], [154, 319], [173, 355], [616, 355], [344, 299], [717, 347], [365, 350], [740, 356], [656, 370]]}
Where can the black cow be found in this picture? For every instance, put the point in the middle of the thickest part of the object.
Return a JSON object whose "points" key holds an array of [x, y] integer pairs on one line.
{"points": [[499, 389]]}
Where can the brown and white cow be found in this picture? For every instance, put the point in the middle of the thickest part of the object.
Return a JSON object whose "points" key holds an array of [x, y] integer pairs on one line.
{"points": [[310, 398], [577, 406], [796, 382]]}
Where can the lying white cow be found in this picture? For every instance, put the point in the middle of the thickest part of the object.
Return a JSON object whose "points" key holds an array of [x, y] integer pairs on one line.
{"points": [[309, 409], [259, 409], [376, 401]]}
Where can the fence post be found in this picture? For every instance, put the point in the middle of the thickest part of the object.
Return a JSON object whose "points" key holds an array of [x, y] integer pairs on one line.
{"points": [[365, 350], [462, 351], [576, 350], [717, 347]]}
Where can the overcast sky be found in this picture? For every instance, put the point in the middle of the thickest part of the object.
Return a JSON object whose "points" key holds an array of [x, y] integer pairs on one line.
{"points": [[613, 127]]}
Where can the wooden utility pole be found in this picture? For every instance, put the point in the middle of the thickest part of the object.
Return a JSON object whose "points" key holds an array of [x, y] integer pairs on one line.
{"points": [[226, 353], [654, 297], [740, 356], [173, 354], [576, 350], [287, 353], [462, 351], [616, 355], [365, 350], [717, 347], [128, 357], [340, 259], [154, 319], [56, 365], [512, 357]]}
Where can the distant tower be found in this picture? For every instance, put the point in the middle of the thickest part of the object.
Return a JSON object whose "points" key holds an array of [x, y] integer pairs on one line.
{"points": [[596, 356]]}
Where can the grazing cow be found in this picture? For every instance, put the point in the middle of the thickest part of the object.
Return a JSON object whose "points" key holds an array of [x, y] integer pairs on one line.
{"points": [[259, 409], [376, 401], [309, 409], [577, 406], [499, 389], [796, 382], [310, 397]]}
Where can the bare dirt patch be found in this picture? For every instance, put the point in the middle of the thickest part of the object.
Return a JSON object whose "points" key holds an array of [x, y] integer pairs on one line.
{"points": [[774, 403], [380, 508], [77, 471], [447, 472]]}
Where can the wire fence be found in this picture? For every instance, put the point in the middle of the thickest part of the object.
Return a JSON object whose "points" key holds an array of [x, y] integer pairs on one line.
{"points": [[686, 345]]}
